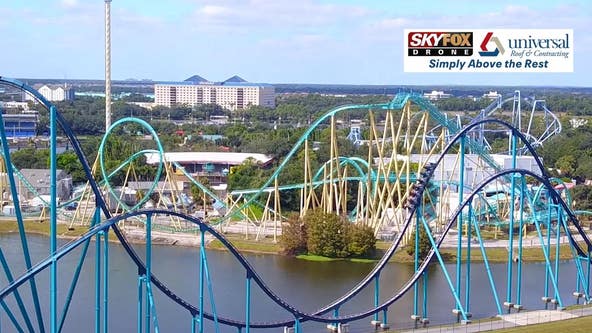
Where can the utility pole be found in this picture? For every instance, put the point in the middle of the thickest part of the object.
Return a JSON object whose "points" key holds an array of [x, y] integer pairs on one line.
{"points": [[107, 64]]}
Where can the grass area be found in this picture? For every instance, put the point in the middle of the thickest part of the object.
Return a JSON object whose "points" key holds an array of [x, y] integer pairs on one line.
{"points": [[265, 245], [311, 257], [576, 325], [41, 228], [324, 259], [494, 254]]}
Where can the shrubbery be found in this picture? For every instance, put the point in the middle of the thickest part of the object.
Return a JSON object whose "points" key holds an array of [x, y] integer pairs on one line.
{"points": [[328, 235], [424, 244]]}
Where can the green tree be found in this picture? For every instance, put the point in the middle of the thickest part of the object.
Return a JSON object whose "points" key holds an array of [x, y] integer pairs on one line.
{"points": [[246, 176], [582, 197], [361, 241], [293, 238], [424, 244], [68, 161], [198, 194], [30, 158], [567, 164], [327, 234]]}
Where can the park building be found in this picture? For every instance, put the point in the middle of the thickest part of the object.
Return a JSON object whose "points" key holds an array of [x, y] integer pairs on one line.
{"points": [[215, 166], [233, 94], [436, 95], [54, 93], [21, 125], [492, 95]]}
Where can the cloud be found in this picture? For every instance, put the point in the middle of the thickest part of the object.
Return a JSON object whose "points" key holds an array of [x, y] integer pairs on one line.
{"points": [[68, 3], [232, 15], [390, 27]]}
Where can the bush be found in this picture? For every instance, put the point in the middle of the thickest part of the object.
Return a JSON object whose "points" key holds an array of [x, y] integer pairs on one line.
{"points": [[361, 241], [424, 244], [293, 238], [327, 234]]}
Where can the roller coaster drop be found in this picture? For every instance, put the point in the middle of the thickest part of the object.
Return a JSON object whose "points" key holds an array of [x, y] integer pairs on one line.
{"points": [[386, 184]]}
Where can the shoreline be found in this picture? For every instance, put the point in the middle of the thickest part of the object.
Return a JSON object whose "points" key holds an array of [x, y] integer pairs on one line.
{"points": [[136, 235]]}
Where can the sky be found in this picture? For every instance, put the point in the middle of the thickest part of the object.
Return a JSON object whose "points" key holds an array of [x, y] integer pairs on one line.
{"points": [[272, 41]]}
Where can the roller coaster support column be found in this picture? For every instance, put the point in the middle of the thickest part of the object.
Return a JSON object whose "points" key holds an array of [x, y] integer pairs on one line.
{"points": [[557, 300], [297, 325], [24, 244], [487, 267], [140, 300], [468, 277], [53, 242], [201, 280], [248, 304], [546, 297], [98, 282], [425, 319], [462, 313], [459, 222], [508, 303], [415, 317], [518, 305], [105, 280], [150, 308], [588, 276], [148, 269], [547, 253], [376, 322]]}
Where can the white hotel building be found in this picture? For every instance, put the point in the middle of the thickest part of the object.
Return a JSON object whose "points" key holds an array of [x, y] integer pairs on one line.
{"points": [[232, 94], [53, 93]]}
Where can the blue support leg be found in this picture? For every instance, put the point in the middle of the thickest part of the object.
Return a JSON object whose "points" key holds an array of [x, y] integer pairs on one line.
{"points": [[459, 222], [488, 268], [520, 236], [248, 305], [557, 254], [20, 223], [376, 294], [105, 280], [53, 220], [201, 280], [140, 301], [415, 315], [98, 282], [468, 277]]}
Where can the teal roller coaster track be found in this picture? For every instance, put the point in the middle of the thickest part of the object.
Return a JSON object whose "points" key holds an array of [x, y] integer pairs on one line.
{"points": [[30, 308]]}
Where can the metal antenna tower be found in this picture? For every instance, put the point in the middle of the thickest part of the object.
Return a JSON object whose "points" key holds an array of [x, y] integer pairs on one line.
{"points": [[107, 64]]}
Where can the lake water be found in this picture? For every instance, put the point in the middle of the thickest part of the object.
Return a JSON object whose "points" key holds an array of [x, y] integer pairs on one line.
{"points": [[306, 285]]}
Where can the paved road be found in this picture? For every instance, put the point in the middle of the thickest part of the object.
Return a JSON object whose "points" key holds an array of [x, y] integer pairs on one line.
{"points": [[507, 321]]}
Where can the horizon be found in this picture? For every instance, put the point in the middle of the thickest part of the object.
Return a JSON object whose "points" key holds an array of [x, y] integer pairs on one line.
{"points": [[439, 85], [321, 42]]}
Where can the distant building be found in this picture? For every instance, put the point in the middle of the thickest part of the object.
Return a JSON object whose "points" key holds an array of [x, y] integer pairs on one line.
{"points": [[145, 105], [492, 95], [21, 125], [54, 93], [15, 105], [232, 94], [38, 184], [213, 165], [436, 95]]}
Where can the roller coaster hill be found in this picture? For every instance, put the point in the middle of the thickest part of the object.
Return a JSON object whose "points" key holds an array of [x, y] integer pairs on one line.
{"points": [[421, 171]]}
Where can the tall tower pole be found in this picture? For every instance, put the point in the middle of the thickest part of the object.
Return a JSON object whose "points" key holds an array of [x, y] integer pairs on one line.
{"points": [[107, 64]]}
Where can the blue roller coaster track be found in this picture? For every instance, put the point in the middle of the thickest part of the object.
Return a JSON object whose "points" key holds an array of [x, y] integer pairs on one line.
{"points": [[22, 299]]}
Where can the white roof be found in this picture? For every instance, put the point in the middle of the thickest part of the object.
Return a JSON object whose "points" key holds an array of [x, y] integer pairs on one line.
{"points": [[208, 157]]}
